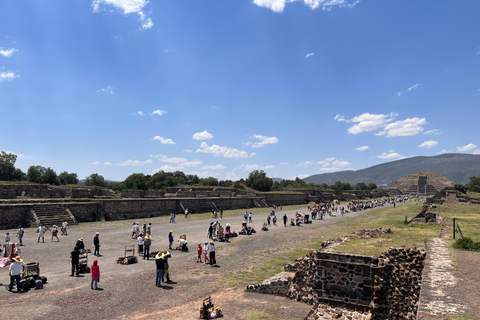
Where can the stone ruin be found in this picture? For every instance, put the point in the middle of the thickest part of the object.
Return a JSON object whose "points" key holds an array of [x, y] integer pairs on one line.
{"points": [[346, 286], [424, 182], [427, 216]]}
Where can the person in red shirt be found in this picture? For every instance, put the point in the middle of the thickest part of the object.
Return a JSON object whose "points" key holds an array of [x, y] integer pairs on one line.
{"points": [[95, 274], [199, 251]]}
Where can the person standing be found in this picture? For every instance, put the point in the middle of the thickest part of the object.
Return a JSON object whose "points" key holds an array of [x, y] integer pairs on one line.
{"points": [[20, 234], [134, 230], [147, 243], [186, 213], [205, 252], [15, 272], [96, 243], [149, 229], [41, 233], [170, 239], [159, 262], [95, 274], [285, 220], [210, 231], [221, 213], [250, 217], [140, 244], [7, 237], [268, 220], [55, 233], [75, 255], [64, 228], [144, 229], [211, 252], [199, 253]]}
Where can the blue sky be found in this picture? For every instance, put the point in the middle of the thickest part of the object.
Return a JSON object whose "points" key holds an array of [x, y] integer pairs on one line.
{"points": [[220, 88]]}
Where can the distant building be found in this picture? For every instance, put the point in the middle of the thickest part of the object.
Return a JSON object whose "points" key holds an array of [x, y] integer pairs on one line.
{"points": [[425, 183]]}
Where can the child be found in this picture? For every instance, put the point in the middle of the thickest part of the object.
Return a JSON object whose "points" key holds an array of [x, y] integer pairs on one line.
{"points": [[95, 274], [7, 237], [199, 252]]}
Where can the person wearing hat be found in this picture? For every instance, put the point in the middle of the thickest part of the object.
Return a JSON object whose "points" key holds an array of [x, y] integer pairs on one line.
{"points": [[95, 274], [96, 243], [166, 273], [211, 252], [146, 244], [160, 263], [55, 232], [15, 271]]}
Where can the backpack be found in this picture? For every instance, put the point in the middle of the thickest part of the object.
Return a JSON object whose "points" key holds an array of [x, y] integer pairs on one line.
{"points": [[44, 279], [38, 284]]}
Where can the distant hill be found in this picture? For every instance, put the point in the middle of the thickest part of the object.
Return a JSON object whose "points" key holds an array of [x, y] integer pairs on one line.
{"points": [[277, 179], [457, 167]]}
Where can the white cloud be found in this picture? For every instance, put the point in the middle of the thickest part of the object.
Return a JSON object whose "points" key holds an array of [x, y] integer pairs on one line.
{"points": [[202, 135], [305, 164], [279, 5], [330, 164], [7, 52], [398, 93], [8, 75], [216, 167], [415, 86], [428, 144], [178, 164], [188, 151], [135, 163], [96, 163], [283, 164], [128, 7], [390, 155], [214, 107], [311, 54], [163, 140], [108, 164], [368, 122], [107, 89], [225, 152], [339, 118], [403, 128], [468, 147], [263, 141], [159, 112], [362, 148], [434, 131], [444, 151], [231, 175], [140, 113], [251, 167], [326, 160]]}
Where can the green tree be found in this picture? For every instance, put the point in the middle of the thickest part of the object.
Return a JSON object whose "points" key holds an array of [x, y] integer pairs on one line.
{"points": [[361, 186], [210, 181], [461, 188], [258, 180], [95, 180], [68, 178], [19, 175], [7, 166], [8, 157], [50, 177], [35, 174], [136, 181], [474, 184], [372, 186]]}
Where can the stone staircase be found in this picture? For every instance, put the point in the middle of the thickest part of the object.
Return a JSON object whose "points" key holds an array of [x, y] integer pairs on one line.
{"points": [[52, 214]]}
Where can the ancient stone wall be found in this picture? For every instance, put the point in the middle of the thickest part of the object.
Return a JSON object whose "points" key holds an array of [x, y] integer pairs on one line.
{"points": [[14, 215], [284, 199], [45, 191]]}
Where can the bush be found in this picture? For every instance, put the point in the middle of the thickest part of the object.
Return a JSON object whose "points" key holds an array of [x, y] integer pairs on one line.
{"points": [[467, 244]]}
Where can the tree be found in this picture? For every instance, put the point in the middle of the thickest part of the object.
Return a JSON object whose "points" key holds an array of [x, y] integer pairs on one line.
{"points": [[68, 178], [35, 173], [461, 188], [95, 180], [19, 175], [210, 181], [474, 184], [136, 181], [372, 186], [8, 157], [50, 177], [258, 180], [361, 186], [7, 166]]}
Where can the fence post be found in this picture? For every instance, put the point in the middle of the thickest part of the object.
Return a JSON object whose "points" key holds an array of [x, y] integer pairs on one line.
{"points": [[453, 228], [406, 220]]}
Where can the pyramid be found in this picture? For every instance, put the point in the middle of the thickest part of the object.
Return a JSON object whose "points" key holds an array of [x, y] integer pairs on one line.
{"points": [[424, 182]]}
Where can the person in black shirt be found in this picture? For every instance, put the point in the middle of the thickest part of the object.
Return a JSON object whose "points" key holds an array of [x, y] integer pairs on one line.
{"points": [[96, 242], [75, 261]]}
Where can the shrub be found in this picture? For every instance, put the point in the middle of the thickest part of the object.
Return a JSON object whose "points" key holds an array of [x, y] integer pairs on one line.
{"points": [[467, 244]]}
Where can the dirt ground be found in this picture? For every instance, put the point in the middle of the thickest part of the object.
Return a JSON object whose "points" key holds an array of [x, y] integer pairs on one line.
{"points": [[129, 291]]}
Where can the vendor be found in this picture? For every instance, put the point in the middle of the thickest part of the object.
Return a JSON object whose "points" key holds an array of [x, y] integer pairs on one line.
{"points": [[15, 272]]}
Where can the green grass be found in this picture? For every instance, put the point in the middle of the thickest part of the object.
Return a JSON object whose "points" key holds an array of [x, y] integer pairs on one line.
{"points": [[467, 216], [259, 315], [461, 316]]}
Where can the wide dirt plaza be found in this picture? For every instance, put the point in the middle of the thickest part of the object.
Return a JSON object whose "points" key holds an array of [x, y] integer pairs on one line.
{"points": [[129, 291]]}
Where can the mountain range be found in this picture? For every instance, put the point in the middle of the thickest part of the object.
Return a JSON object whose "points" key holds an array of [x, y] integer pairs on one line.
{"points": [[457, 167]]}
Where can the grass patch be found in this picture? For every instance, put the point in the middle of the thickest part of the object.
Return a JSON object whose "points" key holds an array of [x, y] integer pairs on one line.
{"points": [[259, 315], [467, 216], [461, 316], [467, 244]]}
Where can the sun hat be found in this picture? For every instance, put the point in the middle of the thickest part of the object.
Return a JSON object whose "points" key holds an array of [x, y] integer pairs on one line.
{"points": [[97, 233], [148, 237], [81, 239], [17, 259], [199, 243], [159, 255], [206, 241], [171, 231]]}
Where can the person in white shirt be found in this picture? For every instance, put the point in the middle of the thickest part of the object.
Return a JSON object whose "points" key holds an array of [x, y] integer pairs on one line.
{"points": [[140, 244], [205, 252], [211, 252], [20, 234], [41, 233], [64, 228], [15, 272]]}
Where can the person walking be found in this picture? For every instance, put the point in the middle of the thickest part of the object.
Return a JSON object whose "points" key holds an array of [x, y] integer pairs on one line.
{"points": [[186, 213], [211, 252], [221, 213], [268, 220], [95, 268], [96, 243], [159, 262], [64, 228], [7, 237], [134, 231], [250, 217], [75, 255], [20, 234], [41, 233], [15, 271], [149, 229], [199, 253], [55, 233], [285, 220], [147, 243], [170, 240]]}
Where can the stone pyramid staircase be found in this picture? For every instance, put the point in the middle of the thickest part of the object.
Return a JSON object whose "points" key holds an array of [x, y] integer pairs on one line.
{"points": [[52, 214]]}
